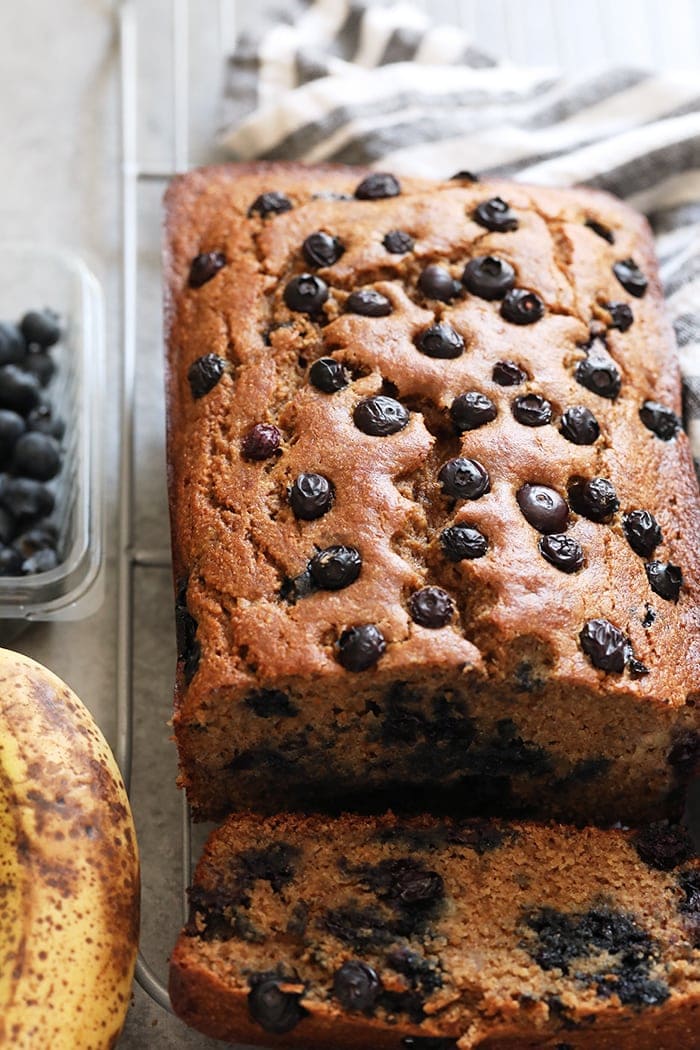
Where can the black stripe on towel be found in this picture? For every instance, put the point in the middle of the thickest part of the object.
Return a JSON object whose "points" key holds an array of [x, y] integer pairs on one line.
{"points": [[300, 141], [687, 329], [401, 46]]}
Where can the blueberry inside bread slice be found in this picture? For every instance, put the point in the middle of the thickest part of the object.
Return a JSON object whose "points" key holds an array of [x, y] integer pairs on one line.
{"points": [[407, 933]]}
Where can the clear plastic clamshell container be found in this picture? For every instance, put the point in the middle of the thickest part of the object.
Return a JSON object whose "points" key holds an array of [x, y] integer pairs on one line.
{"points": [[33, 277]]}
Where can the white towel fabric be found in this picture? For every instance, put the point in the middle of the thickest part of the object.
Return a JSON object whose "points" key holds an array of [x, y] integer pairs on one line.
{"points": [[360, 82]]}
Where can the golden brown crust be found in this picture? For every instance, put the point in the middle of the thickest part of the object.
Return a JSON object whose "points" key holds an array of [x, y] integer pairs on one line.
{"points": [[493, 993], [236, 541]]}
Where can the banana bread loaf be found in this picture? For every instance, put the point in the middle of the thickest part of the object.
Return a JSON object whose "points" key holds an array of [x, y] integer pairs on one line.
{"points": [[434, 517], [437, 934]]}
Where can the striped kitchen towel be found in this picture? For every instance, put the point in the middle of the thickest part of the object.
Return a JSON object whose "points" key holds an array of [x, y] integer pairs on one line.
{"points": [[359, 82]]}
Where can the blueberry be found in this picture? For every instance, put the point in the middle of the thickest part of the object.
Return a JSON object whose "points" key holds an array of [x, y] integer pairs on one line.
{"points": [[43, 421], [275, 1009], [42, 537], [643, 531], [335, 567], [413, 885], [8, 528], [595, 499], [621, 316], [521, 306], [360, 647], [311, 496], [542, 507], [600, 229], [271, 203], [464, 478], [19, 390], [12, 345], [464, 176], [261, 442], [630, 277], [495, 215], [689, 884], [604, 644], [507, 373], [562, 551], [12, 426], [472, 410], [664, 846], [435, 282], [532, 410], [356, 986], [368, 303], [441, 341], [398, 242], [41, 328], [204, 267], [579, 425], [463, 541], [10, 562], [189, 648], [684, 756], [306, 293], [271, 703], [328, 375], [636, 668], [204, 373], [665, 579], [41, 365], [599, 373], [376, 186], [660, 420], [322, 249], [380, 416], [488, 277], [431, 607], [37, 456], [26, 498], [42, 561]]}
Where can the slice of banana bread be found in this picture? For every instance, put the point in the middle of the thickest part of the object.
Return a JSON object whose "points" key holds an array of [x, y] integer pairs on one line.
{"points": [[436, 934], [434, 516]]}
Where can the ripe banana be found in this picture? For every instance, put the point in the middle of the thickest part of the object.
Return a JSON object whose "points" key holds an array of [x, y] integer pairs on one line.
{"points": [[69, 870]]}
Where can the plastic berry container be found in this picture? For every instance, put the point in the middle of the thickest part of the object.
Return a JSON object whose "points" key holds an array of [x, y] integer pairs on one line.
{"points": [[35, 277]]}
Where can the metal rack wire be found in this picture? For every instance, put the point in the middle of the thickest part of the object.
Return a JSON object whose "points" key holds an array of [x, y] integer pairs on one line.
{"points": [[134, 557]]}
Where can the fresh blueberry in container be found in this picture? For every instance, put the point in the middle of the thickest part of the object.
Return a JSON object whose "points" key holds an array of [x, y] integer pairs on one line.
{"points": [[12, 426], [26, 498], [10, 562], [39, 538], [12, 345], [8, 528], [41, 365], [41, 328], [43, 420], [41, 561], [37, 456], [19, 390]]}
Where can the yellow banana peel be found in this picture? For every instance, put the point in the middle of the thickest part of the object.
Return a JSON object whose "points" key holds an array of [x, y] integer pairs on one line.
{"points": [[69, 870]]}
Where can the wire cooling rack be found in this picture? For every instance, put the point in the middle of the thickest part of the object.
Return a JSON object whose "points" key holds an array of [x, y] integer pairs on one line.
{"points": [[164, 37], [171, 67]]}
